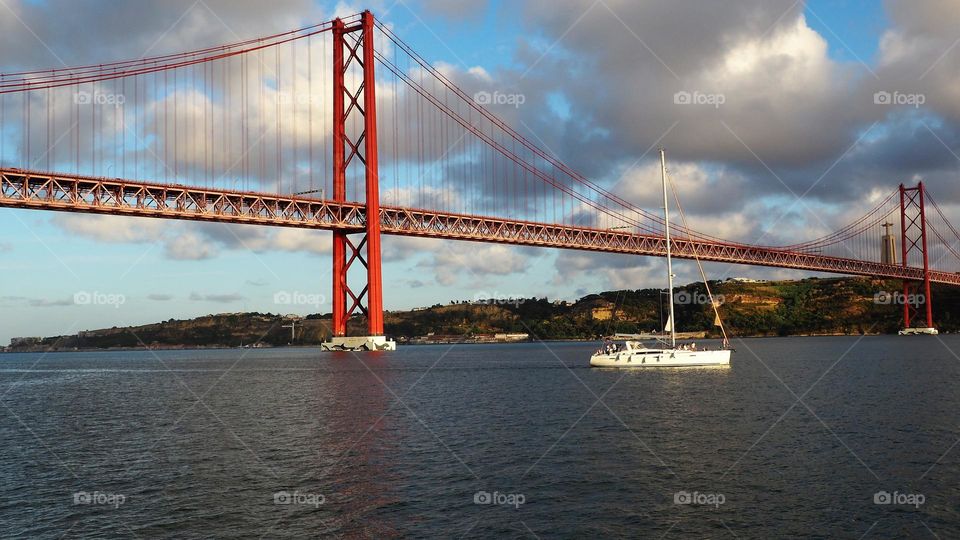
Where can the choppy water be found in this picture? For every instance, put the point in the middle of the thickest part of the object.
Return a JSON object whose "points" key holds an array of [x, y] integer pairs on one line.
{"points": [[795, 439]]}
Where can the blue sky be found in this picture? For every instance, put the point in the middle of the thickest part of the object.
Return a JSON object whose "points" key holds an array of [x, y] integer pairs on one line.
{"points": [[46, 265]]}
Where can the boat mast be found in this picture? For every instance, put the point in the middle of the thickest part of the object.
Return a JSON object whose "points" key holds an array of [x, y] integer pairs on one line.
{"points": [[666, 230]]}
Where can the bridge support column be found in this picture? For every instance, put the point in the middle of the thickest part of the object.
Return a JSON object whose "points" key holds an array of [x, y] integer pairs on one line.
{"points": [[913, 238], [352, 52]]}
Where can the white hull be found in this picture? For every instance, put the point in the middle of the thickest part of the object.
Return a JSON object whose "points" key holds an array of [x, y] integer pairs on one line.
{"points": [[645, 358]]}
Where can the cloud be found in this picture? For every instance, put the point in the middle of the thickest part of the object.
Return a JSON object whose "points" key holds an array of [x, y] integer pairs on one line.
{"points": [[189, 247], [132, 30], [112, 229], [216, 298], [43, 302], [191, 241], [160, 297], [794, 121], [454, 260], [35, 302], [6, 247]]}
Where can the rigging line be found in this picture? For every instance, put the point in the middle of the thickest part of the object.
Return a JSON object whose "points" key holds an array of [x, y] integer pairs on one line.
{"points": [[703, 275]]}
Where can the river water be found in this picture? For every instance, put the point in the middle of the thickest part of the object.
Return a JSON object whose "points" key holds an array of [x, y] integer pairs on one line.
{"points": [[835, 437]]}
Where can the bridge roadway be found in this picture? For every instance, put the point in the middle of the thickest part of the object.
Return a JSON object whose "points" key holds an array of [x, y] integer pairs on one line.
{"points": [[72, 193]]}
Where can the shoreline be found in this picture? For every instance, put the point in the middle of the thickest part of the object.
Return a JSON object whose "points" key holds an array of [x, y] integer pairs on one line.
{"points": [[420, 344]]}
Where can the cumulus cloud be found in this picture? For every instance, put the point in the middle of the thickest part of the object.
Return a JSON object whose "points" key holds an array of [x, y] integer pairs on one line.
{"points": [[190, 241], [794, 121], [188, 247], [471, 260]]}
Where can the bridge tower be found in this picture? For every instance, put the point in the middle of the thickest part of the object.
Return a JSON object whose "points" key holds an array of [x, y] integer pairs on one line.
{"points": [[913, 238], [355, 129]]}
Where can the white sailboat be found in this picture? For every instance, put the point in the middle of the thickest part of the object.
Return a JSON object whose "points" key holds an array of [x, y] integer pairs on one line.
{"points": [[629, 350]]}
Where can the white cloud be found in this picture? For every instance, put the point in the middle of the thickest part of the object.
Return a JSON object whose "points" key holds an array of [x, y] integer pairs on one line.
{"points": [[189, 247]]}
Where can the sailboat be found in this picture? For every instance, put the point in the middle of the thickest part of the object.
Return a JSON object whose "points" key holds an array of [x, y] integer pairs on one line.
{"points": [[628, 350]]}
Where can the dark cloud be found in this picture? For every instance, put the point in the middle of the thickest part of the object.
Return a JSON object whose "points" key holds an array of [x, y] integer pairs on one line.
{"points": [[42, 34]]}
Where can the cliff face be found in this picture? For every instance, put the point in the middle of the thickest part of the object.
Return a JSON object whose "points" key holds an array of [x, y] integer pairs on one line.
{"points": [[810, 306]]}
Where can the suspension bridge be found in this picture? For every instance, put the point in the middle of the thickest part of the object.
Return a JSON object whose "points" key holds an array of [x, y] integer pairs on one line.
{"points": [[342, 126]]}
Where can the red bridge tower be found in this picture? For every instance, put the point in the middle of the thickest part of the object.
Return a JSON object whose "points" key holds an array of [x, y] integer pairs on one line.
{"points": [[913, 227], [355, 152]]}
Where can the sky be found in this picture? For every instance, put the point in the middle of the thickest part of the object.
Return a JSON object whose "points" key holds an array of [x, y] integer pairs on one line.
{"points": [[798, 148]]}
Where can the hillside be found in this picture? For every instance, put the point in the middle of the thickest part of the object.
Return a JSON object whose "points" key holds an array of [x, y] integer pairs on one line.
{"points": [[809, 306]]}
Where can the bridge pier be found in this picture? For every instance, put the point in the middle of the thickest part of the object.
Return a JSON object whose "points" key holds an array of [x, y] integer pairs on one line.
{"points": [[913, 238], [364, 247]]}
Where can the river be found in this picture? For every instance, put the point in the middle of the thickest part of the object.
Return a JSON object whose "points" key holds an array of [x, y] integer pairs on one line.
{"points": [[832, 437]]}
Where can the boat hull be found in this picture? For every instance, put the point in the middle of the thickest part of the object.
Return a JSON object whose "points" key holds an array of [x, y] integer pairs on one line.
{"points": [[651, 358]]}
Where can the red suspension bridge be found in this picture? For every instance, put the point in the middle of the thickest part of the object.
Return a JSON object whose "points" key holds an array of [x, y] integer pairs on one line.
{"points": [[317, 127]]}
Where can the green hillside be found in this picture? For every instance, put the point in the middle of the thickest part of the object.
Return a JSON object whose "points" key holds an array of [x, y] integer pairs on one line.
{"points": [[782, 308]]}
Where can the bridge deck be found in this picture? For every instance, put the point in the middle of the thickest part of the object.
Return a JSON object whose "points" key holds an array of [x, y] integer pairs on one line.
{"points": [[72, 193]]}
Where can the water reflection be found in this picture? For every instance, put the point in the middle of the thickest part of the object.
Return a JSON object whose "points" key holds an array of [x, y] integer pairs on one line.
{"points": [[362, 442]]}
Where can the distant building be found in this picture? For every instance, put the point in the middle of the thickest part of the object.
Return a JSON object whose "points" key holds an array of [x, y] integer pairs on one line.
{"points": [[22, 341], [511, 337], [743, 280]]}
